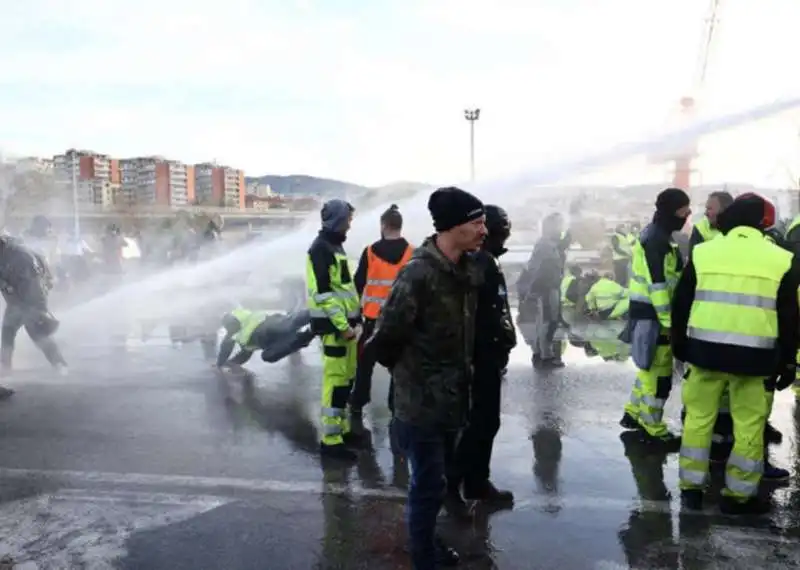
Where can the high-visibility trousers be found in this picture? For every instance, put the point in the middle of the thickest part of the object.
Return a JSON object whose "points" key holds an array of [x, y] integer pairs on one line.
{"points": [[750, 404], [651, 391], [339, 357]]}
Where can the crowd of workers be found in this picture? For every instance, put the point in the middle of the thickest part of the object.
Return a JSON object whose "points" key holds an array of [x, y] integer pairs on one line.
{"points": [[437, 317]]}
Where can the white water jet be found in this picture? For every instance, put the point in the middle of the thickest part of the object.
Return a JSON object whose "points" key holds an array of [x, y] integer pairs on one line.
{"points": [[254, 270]]}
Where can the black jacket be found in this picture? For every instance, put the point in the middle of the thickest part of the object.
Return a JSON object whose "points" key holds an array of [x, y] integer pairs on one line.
{"points": [[495, 335], [25, 278], [426, 336], [737, 359]]}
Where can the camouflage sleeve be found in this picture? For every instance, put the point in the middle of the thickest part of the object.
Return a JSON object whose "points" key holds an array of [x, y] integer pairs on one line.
{"points": [[396, 321]]}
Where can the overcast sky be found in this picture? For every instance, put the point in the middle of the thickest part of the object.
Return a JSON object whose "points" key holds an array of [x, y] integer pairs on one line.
{"points": [[373, 91]]}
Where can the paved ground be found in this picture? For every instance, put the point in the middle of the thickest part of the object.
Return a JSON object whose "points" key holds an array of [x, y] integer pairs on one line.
{"points": [[142, 458]]}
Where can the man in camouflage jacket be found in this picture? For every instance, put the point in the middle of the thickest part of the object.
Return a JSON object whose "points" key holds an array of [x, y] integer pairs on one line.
{"points": [[425, 336]]}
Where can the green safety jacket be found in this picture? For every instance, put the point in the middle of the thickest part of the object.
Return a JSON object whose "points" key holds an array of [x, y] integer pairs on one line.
{"points": [[655, 267], [620, 246], [248, 322], [332, 297], [565, 285], [608, 296], [733, 323]]}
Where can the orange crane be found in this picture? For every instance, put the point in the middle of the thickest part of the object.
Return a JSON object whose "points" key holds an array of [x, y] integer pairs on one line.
{"points": [[682, 160]]}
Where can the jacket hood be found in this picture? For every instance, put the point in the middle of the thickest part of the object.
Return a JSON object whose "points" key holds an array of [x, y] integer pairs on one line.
{"points": [[465, 269], [335, 214]]}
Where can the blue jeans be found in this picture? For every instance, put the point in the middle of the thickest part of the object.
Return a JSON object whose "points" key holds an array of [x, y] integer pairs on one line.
{"points": [[428, 451]]}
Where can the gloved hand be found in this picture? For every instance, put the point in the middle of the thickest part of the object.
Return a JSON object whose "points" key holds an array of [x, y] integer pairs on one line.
{"points": [[786, 377]]}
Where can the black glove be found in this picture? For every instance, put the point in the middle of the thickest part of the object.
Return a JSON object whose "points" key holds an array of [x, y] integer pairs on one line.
{"points": [[786, 377]]}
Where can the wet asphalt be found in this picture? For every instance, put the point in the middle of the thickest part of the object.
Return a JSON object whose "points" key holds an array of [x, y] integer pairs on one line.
{"points": [[145, 458]]}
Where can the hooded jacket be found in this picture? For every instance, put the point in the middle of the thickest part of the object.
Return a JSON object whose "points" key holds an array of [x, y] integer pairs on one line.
{"points": [[426, 336], [25, 278], [322, 253], [545, 268]]}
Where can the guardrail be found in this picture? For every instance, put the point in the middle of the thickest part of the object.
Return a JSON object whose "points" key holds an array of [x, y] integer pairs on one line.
{"points": [[91, 212]]}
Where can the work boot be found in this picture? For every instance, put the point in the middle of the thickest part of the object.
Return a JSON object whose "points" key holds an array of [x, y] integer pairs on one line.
{"points": [[629, 422], [5, 393], [446, 556], [772, 435], [774, 474], [337, 451], [692, 499], [536, 360], [669, 443], [752, 506], [456, 506], [487, 493]]}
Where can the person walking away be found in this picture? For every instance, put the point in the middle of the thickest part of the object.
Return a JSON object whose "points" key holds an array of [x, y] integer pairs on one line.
{"points": [[336, 316], [25, 282], [276, 336], [425, 335], [735, 321], [621, 255], [706, 229], [492, 348], [656, 266], [544, 274], [377, 270]]}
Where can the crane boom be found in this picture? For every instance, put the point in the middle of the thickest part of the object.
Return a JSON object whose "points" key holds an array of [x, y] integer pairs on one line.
{"points": [[705, 50]]}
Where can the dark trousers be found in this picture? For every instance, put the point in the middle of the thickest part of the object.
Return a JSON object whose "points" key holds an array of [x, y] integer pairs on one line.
{"points": [[362, 388], [15, 317], [621, 275], [474, 451], [429, 451]]}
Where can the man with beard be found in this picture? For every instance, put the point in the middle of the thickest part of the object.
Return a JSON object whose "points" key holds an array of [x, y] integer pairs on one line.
{"points": [[425, 335]]}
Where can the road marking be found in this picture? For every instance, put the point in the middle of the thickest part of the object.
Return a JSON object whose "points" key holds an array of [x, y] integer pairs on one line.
{"points": [[227, 487]]}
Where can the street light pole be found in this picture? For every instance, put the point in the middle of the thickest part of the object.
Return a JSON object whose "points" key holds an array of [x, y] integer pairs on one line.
{"points": [[77, 218], [472, 115]]}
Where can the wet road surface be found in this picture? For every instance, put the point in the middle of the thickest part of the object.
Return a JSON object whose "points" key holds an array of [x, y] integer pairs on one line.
{"points": [[144, 458]]}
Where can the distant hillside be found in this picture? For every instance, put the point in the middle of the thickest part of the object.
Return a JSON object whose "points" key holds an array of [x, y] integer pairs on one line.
{"points": [[307, 185], [361, 196]]}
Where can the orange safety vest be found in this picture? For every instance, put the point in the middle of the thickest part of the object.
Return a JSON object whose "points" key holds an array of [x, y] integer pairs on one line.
{"points": [[380, 276]]}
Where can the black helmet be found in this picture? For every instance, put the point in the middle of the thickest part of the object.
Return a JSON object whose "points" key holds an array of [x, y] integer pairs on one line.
{"points": [[496, 219]]}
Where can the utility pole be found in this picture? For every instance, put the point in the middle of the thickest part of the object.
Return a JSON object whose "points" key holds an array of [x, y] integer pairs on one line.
{"points": [[472, 115], [77, 218]]}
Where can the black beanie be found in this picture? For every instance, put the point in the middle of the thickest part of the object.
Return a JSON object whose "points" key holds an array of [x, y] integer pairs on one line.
{"points": [[451, 207], [671, 200]]}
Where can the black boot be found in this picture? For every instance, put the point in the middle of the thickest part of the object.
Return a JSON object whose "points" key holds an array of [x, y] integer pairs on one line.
{"points": [[488, 493], [446, 556], [629, 422], [752, 506], [692, 499]]}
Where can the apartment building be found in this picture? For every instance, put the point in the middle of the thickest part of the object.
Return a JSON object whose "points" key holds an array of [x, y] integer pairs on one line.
{"points": [[97, 176], [156, 181], [217, 185]]}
